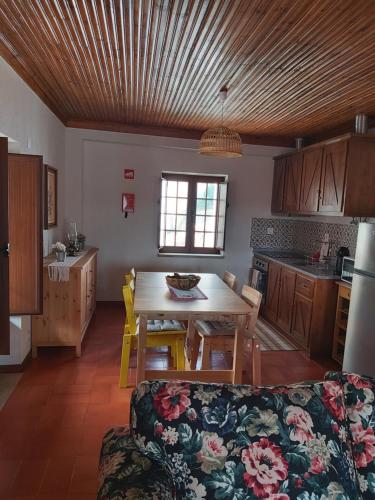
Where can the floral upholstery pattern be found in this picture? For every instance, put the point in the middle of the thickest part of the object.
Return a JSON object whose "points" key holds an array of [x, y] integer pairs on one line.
{"points": [[359, 401], [221, 441], [124, 473]]}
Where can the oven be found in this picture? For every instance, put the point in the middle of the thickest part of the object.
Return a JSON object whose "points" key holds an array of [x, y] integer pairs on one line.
{"points": [[258, 276]]}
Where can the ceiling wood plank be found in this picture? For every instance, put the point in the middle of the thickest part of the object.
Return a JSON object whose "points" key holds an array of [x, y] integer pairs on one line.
{"points": [[294, 68]]}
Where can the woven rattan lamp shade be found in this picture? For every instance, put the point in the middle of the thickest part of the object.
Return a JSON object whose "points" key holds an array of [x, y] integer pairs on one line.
{"points": [[221, 142]]}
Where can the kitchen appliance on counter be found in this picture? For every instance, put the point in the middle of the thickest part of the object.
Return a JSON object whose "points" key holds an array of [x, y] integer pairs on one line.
{"points": [[347, 269], [258, 276], [341, 253], [360, 333]]}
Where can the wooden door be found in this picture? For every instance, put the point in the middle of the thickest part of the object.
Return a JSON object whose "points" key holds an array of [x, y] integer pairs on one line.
{"points": [[273, 287], [4, 239], [302, 313], [333, 177], [292, 188], [286, 299], [310, 183], [277, 203], [25, 234]]}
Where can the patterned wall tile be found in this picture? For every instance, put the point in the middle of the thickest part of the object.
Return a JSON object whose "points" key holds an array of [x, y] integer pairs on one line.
{"points": [[300, 235], [282, 237]]}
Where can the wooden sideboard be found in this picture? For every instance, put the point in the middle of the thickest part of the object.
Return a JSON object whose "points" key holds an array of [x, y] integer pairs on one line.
{"points": [[68, 306]]}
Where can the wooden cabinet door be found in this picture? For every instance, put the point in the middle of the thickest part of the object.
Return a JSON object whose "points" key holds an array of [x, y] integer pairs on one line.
{"points": [[286, 299], [277, 203], [310, 184], [273, 288], [292, 187], [25, 234], [4, 239], [333, 177], [302, 313]]}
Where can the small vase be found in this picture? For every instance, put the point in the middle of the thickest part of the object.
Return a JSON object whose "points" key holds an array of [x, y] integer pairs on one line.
{"points": [[60, 256]]}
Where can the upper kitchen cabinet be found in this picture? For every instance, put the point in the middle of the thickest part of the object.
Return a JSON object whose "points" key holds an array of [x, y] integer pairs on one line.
{"points": [[310, 183], [292, 183], [277, 203], [335, 177], [332, 184]]}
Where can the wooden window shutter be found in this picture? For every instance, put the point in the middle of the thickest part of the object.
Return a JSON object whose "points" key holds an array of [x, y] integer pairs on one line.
{"points": [[221, 215]]}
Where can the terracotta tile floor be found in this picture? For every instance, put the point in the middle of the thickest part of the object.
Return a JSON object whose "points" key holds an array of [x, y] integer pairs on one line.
{"points": [[52, 425]]}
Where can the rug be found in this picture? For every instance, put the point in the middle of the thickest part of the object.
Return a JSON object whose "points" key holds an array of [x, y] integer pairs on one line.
{"points": [[271, 340]]}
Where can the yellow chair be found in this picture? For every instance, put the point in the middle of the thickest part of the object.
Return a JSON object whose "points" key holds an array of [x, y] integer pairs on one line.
{"points": [[159, 333]]}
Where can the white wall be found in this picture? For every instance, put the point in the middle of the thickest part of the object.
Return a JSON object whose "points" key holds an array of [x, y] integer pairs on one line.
{"points": [[33, 129], [94, 182]]}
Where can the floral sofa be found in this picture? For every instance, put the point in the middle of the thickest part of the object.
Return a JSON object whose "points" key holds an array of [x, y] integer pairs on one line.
{"points": [[309, 441]]}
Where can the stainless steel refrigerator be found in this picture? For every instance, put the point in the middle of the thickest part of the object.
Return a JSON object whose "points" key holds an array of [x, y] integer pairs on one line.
{"points": [[359, 354]]}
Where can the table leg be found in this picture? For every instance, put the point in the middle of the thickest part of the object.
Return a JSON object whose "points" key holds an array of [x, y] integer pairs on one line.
{"points": [[141, 352], [238, 350], [190, 338]]}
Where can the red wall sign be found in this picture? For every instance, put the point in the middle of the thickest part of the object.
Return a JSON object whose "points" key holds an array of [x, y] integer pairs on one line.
{"points": [[128, 173], [128, 202]]}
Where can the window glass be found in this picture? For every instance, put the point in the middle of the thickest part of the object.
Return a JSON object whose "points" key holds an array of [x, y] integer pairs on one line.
{"points": [[192, 213]]}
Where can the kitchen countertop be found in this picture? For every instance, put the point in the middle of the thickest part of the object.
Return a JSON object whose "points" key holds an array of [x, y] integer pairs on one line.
{"points": [[297, 261]]}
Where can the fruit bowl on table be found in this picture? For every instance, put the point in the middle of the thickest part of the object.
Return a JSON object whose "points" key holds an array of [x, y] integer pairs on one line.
{"points": [[183, 281]]}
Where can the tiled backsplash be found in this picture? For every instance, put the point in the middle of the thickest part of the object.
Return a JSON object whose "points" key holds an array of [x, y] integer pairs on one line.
{"points": [[301, 235]]}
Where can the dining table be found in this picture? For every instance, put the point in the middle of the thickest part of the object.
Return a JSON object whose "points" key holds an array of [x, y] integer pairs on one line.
{"points": [[153, 300]]}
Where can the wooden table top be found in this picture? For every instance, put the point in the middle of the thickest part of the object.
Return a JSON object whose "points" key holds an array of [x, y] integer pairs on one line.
{"points": [[153, 296]]}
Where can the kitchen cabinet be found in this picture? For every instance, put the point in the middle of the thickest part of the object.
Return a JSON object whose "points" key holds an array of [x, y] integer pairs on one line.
{"points": [[342, 312], [302, 308], [273, 289], [68, 306], [277, 203], [310, 182], [292, 183], [286, 299], [333, 177], [330, 178], [301, 326]]}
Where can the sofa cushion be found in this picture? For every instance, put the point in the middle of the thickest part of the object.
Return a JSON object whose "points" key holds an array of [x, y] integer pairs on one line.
{"points": [[359, 401], [242, 442], [124, 473]]}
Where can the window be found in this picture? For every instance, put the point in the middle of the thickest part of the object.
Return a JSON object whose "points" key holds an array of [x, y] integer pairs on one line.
{"points": [[192, 213]]}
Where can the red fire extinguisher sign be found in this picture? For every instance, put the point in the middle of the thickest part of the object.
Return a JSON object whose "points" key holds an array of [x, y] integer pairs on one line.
{"points": [[128, 202]]}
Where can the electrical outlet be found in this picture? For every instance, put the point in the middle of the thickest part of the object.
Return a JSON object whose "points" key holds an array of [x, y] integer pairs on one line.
{"points": [[269, 230]]}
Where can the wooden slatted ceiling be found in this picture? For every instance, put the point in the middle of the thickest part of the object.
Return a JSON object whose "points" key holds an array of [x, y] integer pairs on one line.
{"points": [[293, 67]]}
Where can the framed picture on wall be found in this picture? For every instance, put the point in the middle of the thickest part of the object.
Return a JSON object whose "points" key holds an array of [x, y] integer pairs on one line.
{"points": [[50, 197]]}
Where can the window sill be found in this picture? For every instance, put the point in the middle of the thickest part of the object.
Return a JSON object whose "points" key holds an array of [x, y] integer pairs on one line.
{"points": [[206, 255]]}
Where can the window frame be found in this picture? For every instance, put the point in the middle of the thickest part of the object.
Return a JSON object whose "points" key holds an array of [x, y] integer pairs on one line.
{"points": [[191, 215]]}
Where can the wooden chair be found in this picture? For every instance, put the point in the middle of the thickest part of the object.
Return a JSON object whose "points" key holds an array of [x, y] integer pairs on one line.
{"points": [[219, 335], [169, 333], [229, 279]]}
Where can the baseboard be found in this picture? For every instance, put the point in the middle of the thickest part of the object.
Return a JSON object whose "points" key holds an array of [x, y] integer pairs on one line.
{"points": [[16, 368]]}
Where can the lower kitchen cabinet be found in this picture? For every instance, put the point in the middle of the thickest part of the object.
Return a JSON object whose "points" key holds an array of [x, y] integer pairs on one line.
{"points": [[301, 325], [286, 299], [273, 290], [301, 308], [68, 306]]}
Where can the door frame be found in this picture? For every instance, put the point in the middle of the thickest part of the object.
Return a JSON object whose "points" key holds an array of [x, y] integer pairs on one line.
{"points": [[4, 260]]}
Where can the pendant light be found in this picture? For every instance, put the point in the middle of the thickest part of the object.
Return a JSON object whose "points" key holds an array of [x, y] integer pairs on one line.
{"points": [[221, 141]]}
